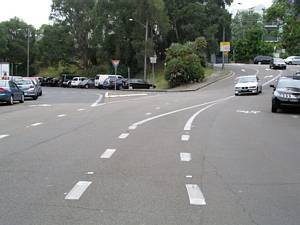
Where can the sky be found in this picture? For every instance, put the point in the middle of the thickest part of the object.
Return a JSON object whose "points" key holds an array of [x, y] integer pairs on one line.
{"points": [[36, 12]]}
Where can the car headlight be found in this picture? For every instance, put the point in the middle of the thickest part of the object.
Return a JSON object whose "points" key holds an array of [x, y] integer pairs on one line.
{"points": [[253, 87], [31, 89]]}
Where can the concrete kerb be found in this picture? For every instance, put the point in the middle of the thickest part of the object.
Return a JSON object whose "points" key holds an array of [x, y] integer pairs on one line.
{"points": [[201, 85]]}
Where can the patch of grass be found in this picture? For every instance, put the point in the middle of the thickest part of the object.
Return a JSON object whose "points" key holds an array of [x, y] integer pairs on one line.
{"points": [[208, 71]]}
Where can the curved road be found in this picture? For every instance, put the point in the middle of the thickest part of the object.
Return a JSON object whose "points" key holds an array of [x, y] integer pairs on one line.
{"points": [[85, 157]]}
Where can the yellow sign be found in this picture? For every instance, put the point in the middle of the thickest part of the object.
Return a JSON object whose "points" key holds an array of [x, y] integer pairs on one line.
{"points": [[225, 46]]}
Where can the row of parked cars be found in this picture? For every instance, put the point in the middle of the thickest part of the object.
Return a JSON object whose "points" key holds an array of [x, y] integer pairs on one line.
{"points": [[105, 81], [18, 88], [277, 63]]}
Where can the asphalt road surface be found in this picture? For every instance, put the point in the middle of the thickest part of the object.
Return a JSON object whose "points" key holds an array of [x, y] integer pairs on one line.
{"points": [[87, 157]]}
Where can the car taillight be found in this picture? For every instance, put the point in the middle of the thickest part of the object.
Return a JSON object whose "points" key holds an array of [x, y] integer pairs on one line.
{"points": [[2, 90]]}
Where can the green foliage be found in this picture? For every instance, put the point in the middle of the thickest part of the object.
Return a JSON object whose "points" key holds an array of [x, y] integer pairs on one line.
{"points": [[184, 63]]}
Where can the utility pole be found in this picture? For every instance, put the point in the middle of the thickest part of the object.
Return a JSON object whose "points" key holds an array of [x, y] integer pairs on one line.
{"points": [[223, 53], [28, 52], [145, 55]]}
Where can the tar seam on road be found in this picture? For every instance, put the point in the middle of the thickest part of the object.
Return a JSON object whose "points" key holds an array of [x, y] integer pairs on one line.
{"points": [[195, 194], [108, 153], [78, 190]]}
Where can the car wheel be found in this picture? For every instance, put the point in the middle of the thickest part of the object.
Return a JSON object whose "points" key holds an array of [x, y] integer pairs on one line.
{"points": [[41, 93], [35, 97], [87, 86], [274, 108], [22, 99], [11, 100]]}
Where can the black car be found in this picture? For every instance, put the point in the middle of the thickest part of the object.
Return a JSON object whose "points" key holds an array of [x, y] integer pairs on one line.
{"points": [[262, 59], [65, 80], [109, 83], [286, 93], [278, 63], [139, 84], [87, 83]]}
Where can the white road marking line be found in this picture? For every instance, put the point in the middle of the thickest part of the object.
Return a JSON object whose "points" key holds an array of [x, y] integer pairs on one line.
{"points": [[97, 102], [185, 137], [185, 157], [4, 136], [79, 110], [148, 114], [268, 69], [61, 115], [270, 76], [78, 190], [132, 127], [179, 110], [107, 95], [189, 123], [195, 194], [243, 70], [266, 83], [35, 125], [189, 176], [124, 136], [108, 153], [248, 112], [42, 105], [157, 108], [89, 173]]}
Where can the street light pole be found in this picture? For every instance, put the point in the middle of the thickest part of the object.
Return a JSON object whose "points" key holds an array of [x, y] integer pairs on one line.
{"points": [[28, 52], [145, 55]]}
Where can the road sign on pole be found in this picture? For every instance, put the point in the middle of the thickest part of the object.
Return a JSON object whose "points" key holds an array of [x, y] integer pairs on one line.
{"points": [[115, 63], [153, 62], [225, 46]]}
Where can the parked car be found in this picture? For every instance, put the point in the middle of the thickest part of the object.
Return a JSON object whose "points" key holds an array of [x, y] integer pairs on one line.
{"points": [[10, 92], [29, 89], [87, 83], [109, 83], [37, 83], [139, 84], [278, 63], [248, 85], [65, 80], [100, 78], [292, 60], [76, 80], [262, 59], [286, 93]]}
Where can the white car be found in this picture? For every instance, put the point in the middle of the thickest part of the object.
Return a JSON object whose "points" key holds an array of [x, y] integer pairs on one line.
{"points": [[248, 85], [76, 80], [292, 60], [100, 78]]}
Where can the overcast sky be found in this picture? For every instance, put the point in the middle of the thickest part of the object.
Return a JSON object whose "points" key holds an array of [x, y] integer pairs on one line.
{"points": [[36, 12]]}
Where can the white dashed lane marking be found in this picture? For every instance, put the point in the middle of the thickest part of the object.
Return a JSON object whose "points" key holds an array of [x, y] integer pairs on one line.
{"points": [[148, 114], [185, 137], [132, 127], [195, 194], [4, 136], [185, 157], [79, 110], [61, 115], [77, 191], [124, 136], [35, 125], [108, 153]]}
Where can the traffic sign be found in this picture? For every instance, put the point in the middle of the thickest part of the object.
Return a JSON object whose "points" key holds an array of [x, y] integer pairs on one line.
{"points": [[225, 46], [153, 60], [115, 63]]}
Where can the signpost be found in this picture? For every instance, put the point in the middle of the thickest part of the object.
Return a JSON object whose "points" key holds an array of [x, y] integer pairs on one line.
{"points": [[115, 64], [224, 48], [153, 61]]}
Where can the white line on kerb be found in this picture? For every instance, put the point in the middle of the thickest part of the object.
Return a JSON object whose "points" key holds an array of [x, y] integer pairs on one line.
{"points": [[195, 194], [124, 136], [185, 157], [179, 110], [185, 137], [35, 125], [78, 190], [4, 136], [189, 123], [108, 153]]}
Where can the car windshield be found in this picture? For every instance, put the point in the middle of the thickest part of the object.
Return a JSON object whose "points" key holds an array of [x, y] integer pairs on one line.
{"points": [[24, 82], [288, 83], [247, 79]]}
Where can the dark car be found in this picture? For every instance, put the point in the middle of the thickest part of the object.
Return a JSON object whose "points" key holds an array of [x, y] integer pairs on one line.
{"points": [[278, 63], [286, 93], [87, 83], [109, 83], [262, 59], [65, 80], [10, 92], [139, 84], [29, 89]]}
